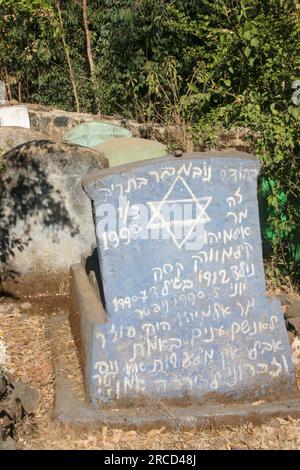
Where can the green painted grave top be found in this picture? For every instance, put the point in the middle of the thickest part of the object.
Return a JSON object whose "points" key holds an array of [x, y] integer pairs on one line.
{"points": [[93, 133]]}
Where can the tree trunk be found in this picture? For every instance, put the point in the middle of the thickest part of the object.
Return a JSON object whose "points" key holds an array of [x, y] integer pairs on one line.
{"points": [[9, 95], [20, 91], [66, 51], [89, 52], [27, 89]]}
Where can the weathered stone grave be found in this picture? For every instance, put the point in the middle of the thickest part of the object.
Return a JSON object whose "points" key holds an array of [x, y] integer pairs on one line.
{"points": [[45, 211], [2, 92], [12, 136], [181, 314]]}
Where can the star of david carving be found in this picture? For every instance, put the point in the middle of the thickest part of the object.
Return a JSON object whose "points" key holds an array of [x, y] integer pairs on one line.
{"points": [[157, 219]]}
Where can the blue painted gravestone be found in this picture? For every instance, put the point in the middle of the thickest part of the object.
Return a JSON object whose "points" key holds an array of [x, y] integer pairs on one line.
{"points": [[183, 284]]}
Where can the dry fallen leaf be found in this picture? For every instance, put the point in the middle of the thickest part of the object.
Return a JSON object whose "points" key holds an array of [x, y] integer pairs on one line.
{"points": [[155, 432], [130, 435], [116, 436]]}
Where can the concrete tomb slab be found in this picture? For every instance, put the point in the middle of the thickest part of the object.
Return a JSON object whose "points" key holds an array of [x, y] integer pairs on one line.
{"points": [[183, 317], [128, 150], [14, 116], [93, 133]]}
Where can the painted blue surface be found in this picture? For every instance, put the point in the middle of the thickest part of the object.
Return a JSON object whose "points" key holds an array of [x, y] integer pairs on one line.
{"points": [[186, 321], [93, 133]]}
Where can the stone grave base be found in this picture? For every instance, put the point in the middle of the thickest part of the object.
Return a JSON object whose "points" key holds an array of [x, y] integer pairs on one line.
{"points": [[86, 309], [70, 411]]}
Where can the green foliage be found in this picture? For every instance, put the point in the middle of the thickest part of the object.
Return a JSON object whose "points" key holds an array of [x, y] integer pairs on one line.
{"points": [[196, 64]]}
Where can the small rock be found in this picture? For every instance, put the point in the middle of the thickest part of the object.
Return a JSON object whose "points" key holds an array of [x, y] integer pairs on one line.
{"points": [[3, 385], [293, 311], [8, 444], [294, 324], [296, 353], [29, 396], [145, 132], [178, 153]]}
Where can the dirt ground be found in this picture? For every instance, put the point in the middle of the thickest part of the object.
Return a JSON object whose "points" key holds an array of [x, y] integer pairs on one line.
{"points": [[23, 329]]}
